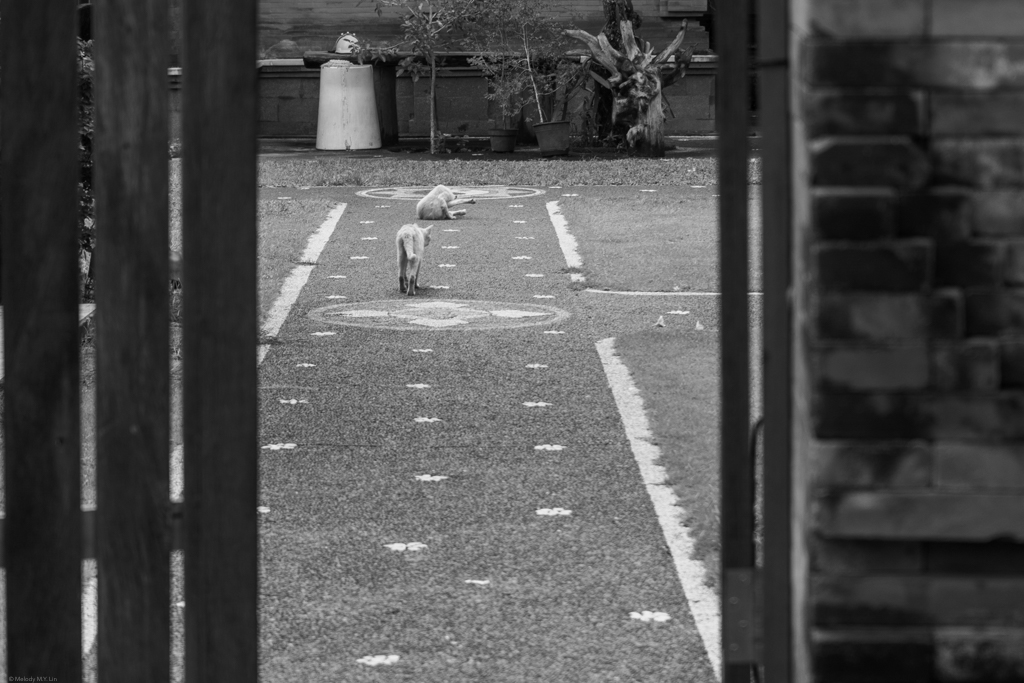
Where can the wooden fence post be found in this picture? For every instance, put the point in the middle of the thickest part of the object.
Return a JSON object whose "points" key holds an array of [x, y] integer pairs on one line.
{"points": [[132, 347], [38, 215], [776, 185], [737, 473], [220, 334]]}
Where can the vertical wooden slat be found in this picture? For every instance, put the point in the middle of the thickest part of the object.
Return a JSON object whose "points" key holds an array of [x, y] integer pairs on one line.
{"points": [[38, 196], [773, 57], [220, 334], [132, 328], [737, 481]]}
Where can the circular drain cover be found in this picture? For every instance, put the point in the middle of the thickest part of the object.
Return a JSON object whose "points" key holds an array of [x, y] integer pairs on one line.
{"points": [[475, 192], [451, 314]]}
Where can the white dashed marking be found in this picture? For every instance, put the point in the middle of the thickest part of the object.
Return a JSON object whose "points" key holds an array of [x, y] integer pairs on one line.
{"points": [[649, 616], [280, 446]]}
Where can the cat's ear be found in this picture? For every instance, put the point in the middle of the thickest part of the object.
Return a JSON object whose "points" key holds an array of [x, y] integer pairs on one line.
{"points": [[427, 229]]}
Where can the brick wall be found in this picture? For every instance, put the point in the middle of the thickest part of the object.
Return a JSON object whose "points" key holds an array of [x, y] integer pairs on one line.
{"points": [[910, 349], [290, 27], [290, 98]]}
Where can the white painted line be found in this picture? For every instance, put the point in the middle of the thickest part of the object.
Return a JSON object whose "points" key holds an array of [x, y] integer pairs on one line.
{"points": [[177, 473], [296, 280], [318, 240], [702, 600], [612, 291], [569, 245], [89, 608]]}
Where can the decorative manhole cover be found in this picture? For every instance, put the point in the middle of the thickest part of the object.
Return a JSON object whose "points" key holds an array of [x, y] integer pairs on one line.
{"points": [[402, 314], [476, 192]]}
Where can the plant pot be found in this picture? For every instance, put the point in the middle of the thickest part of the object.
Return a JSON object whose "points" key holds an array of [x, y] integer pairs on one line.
{"points": [[553, 137], [503, 139]]}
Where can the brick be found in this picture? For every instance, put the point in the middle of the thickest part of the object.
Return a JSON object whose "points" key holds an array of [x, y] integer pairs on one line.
{"points": [[1015, 263], [903, 266], [984, 164], [971, 365], [970, 264], [974, 465], [979, 655], [942, 215], [284, 88], [980, 559], [994, 312], [868, 601], [691, 107], [853, 214], [857, 368], [922, 516], [1011, 363], [946, 318], [968, 114], [868, 416], [309, 88], [975, 416], [299, 111], [872, 656], [998, 213], [975, 601], [698, 85], [836, 113], [876, 464], [868, 162], [869, 18], [916, 601], [872, 317], [969, 65], [268, 109], [856, 558], [984, 18]]}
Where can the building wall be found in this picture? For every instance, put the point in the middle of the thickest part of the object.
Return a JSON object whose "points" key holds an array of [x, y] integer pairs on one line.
{"points": [[290, 96], [288, 28], [909, 425]]}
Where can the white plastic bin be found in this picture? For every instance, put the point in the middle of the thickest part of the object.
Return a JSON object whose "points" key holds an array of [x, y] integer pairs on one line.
{"points": [[347, 117]]}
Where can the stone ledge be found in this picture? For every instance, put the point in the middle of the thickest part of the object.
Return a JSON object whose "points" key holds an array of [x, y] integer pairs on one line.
{"points": [[919, 516]]}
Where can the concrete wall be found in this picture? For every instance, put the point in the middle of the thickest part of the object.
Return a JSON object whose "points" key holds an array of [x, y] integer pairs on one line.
{"points": [[909, 424]]}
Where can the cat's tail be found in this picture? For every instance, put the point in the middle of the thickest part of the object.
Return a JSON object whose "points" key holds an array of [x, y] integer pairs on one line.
{"points": [[410, 251]]}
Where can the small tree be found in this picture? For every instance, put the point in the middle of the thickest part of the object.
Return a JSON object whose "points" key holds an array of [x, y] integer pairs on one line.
{"points": [[522, 51], [637, 78], [428, 28]]}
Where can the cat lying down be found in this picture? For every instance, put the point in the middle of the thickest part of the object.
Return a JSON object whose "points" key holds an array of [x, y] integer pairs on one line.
{"points": [[437, 205]]}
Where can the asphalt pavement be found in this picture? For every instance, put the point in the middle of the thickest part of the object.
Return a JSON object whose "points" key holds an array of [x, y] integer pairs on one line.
{"points": [[447, 492]]}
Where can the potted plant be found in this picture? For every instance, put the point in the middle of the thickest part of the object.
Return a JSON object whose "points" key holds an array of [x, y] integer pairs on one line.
{"points": [[522, 56]]}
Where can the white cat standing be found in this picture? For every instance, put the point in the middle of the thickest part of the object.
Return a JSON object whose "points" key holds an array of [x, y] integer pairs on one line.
{"points": [[411, 240], [437, 205]]}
